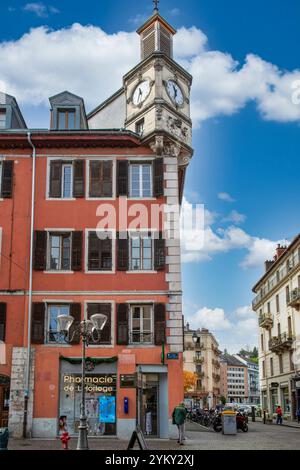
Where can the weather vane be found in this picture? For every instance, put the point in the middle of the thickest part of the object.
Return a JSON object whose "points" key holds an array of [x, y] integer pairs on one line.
{"points": [[156, 2]]}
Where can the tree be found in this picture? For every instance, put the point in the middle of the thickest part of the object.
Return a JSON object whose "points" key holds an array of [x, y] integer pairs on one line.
{"points": [[223, 400], [189, 381]]}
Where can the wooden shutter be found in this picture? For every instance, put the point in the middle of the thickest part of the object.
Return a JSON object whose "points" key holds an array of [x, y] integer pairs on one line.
{"points": [[40, 250], [159, 253], [77, 238], [95, 188], [105, 309], [159, 324], [122, 177], [107, 179], [55, 179], [38, 323], [2, 321], [7, 179], [78, 179], [100, 179], [75, 312], [123, 252], [122, 324], [159, 177]]}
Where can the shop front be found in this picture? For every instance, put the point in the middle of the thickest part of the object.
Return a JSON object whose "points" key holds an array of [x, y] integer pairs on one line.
{"points": [[100, 399], [4, 400]]}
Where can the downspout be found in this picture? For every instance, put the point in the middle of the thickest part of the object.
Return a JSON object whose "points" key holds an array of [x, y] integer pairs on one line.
{"points": [[27, 367]]}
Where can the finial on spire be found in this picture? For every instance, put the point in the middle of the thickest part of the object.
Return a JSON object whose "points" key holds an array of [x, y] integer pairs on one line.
{"points": [[155, 2]]}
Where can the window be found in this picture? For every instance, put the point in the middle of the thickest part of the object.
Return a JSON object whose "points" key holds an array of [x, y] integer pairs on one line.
{"points": [[54, 311], [277, 304], [290, 330], [263, 369], [285, 399], [262, 342], [141, 253], [66, 119], [100, 179], [141, 324], [2, 119], [59, 252], [280, 364], [104, 309], [278, 329], [271, 366], [140, 126], [287, 293], [99, 252], [269, 307], [141, 180], [67, 181]]}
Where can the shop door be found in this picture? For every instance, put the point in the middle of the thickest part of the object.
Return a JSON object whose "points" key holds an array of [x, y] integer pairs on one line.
{"points": [[4, 404], [149, 405]]}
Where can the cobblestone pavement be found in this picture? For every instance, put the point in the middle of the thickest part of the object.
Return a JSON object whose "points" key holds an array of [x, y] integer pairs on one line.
{"points": [[259, 437]]}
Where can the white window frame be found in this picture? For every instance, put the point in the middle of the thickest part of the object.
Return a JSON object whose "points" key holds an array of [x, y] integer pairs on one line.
{"points": [[141, 196], [133, 233], [66, 165], [47, 322], [113, 250], [141, 305], [58, 232], [114, 178], [66, 160], [112, 321]]}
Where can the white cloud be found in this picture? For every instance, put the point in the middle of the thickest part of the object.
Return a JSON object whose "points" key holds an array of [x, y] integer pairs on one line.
{"points": [[40, 9], [244, 311], [225, 197], [235, 217], [212, 319], [175, 12]]}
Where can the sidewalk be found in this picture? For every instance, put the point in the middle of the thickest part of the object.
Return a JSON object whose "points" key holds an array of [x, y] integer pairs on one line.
{"points": [[289, 424]]}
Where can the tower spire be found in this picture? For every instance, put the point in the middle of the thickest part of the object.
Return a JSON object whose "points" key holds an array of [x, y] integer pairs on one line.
{"points": [[155, 3]]}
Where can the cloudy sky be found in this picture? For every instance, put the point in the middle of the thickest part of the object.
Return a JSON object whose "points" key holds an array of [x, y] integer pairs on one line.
{"points": [[244, 57]]}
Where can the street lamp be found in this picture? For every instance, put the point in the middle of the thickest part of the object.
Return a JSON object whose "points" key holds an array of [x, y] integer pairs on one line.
{"points": [[89, 331], [195, 337]]}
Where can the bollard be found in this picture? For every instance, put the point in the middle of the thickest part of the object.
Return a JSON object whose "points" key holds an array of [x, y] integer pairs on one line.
{"points": [[265, 417], [253, 414], [4, 435]]}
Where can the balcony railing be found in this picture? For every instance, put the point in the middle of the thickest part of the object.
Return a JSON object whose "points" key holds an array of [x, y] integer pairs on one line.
{"points": [[201, 375], [216, 377], [276, 279], [198, 360], [199, 346], [280, 343], [266, 321], [293, 299], [216, 363], [141, 337]]}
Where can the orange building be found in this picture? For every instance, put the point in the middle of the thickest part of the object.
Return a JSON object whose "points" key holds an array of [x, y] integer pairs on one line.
{"points": [[84, 208]]}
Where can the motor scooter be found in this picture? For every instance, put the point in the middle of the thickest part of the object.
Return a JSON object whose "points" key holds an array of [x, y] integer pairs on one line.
{"points": [[242, 421]]}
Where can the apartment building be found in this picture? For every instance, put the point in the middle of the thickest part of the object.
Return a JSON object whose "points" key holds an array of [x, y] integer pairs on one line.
{"points": [[202, 357], [234, 379], [277, 304], [72, 243], [253, 379]]}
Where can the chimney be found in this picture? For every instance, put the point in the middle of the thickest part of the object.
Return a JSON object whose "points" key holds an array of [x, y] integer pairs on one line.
{"points": [[280, 250], [269, 264]]}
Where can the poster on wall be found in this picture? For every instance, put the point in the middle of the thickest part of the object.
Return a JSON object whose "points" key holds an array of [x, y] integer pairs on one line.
{"points": [[107, 409]]}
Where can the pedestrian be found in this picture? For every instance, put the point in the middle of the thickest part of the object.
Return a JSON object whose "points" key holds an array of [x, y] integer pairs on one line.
{"points": [[179, 418], [279, 415], [298, 415]]}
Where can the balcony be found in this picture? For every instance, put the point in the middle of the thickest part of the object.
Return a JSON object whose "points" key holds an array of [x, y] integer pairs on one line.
{"points": [[199, 346], [266, 321], [198, 360], [201, 375], [216, 377], [216, 350], [294, 298], [281, 343], [216, 363]]}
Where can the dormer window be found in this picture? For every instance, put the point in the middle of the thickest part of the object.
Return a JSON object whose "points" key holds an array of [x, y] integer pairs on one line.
{"points": [[2, 118], [66, 119]]}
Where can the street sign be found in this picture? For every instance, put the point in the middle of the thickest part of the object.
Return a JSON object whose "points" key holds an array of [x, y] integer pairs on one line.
{"points": [[172, 356]]}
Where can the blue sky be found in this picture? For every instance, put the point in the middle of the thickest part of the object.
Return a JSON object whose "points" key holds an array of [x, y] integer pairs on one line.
{"points": [[246, 144]]}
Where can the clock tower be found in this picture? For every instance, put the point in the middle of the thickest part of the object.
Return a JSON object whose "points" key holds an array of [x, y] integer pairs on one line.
{"points": [[157, 92]]}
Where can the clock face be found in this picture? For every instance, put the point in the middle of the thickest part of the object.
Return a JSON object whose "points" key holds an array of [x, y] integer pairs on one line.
{"points": [[175, 93], [141, 92]]}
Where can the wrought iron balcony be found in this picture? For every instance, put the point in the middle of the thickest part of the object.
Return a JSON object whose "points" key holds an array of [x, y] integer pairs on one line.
{"points": [[216, 377], [199, 346], [201, 375], [281, 343], [294, 298], [198, 360], [266, 320], [141, 337]]}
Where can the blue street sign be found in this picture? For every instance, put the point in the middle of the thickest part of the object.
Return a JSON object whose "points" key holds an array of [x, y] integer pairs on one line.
{"points": [[172, 356]]}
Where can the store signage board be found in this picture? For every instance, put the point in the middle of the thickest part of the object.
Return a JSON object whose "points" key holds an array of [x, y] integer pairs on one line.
{"points": [[172, 356], [128, 381]]}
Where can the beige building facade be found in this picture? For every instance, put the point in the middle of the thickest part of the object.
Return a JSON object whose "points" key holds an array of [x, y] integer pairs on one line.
{"points": [[277, 304], [202, 357]]}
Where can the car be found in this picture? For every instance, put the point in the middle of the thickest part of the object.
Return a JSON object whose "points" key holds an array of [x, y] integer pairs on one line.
{"points": [[245, 409]]}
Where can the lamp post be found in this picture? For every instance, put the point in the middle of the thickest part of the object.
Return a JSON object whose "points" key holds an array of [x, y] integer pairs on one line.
{"points": [[87, 330], [195, 337]]}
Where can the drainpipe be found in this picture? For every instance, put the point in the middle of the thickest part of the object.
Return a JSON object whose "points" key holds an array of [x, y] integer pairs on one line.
{"points": [[27, 367]]}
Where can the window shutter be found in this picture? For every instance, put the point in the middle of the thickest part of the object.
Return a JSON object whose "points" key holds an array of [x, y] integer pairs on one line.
{"points": [[159, 177], [38, 323], [78, 180], [122, 177], [75, 312], [95, 186], [55, 179], [77, 251], [107, 179], [2, 321], [105, 309], [159, 324], [122, 324], [40, 249], [123, 252], [7, 179], [159, 253]]}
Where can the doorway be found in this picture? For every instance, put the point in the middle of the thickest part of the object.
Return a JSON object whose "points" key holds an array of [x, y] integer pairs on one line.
{"points": [[149, 405], [4, 400]]}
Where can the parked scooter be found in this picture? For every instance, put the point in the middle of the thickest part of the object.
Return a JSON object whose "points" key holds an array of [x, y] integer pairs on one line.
{"points": [[242, 422], [217, 426]]}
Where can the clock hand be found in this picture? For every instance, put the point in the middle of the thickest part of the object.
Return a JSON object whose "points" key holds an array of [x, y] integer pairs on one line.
{"points": [[175, 92], [140, 95]]}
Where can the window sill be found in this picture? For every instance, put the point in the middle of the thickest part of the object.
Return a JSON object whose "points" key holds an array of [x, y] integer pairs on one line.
{"points": [[141, 272], [141, 346], [60, 199], [50, 271], [57, 345], [100, 272], [100, 346], [150, 198], [112, 198]]}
